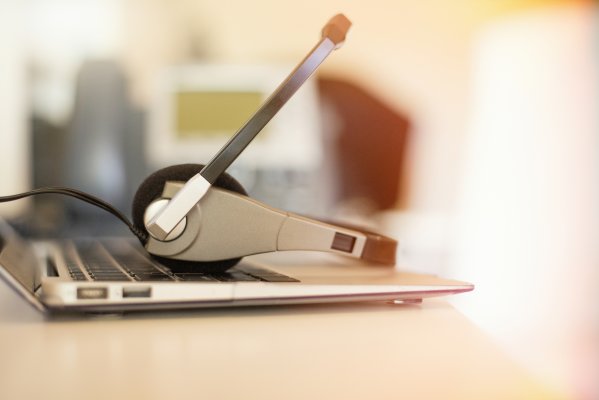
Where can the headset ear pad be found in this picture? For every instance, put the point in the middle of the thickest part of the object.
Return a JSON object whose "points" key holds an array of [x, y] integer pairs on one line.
{"points": [[151, 189]]}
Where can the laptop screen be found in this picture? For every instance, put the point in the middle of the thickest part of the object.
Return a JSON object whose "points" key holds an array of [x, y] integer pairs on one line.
{"points": [[18, 259]]}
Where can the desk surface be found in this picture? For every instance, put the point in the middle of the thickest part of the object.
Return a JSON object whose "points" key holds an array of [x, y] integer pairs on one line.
{"points": [[346, 351]]}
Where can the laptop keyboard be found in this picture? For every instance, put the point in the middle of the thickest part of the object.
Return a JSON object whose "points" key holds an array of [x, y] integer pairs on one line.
{"points": [[121, 261]]}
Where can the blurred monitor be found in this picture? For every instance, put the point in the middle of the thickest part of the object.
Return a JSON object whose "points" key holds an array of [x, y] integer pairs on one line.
{"points": [[197, 108]]}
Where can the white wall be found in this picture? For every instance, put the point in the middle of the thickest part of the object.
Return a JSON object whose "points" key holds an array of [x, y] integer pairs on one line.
{"points": [[14, 138]]}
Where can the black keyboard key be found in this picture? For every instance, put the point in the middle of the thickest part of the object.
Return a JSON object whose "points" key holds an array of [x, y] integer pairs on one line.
{"points": [[141, 271], [196, 277], [96, 266], [78, 277], [153, 277], [235, 276], [269, 276], [73, 269], [111, 278], [108, 275]]}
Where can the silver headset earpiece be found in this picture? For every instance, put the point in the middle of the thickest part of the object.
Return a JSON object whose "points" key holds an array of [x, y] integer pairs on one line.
{"points": [[225, 225], [195, 221]]}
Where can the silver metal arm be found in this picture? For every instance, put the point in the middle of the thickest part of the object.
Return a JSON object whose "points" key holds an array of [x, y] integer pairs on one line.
{"points": [[333, 36]]}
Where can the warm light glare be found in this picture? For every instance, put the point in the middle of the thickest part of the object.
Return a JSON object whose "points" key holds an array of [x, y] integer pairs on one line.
{"points": [[529, 217]]}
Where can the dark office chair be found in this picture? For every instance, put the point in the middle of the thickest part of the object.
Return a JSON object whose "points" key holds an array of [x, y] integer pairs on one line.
{"points": [[369, 146], [104, 140]]}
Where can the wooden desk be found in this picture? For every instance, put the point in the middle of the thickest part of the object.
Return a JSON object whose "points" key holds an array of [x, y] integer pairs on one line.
{"points": [[347, 351]]}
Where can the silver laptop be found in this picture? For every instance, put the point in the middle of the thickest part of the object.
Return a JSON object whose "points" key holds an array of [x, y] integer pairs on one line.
{"points": [[118, 274]]}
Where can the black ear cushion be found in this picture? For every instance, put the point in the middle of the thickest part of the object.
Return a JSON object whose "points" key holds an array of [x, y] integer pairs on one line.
{"points": [[151, 189]]}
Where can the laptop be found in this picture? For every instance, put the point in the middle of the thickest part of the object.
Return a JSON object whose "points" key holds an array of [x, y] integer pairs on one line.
{"points": [[118, 274]]}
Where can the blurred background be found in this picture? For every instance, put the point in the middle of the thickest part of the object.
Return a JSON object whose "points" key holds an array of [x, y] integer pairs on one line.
{"points": [[467, 129]]}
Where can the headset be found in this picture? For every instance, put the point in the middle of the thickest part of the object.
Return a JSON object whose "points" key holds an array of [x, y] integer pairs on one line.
{"points": [[199, 217]]}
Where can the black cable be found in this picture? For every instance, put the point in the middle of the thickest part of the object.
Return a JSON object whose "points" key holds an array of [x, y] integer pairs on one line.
{"points": [[86, 197]]}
